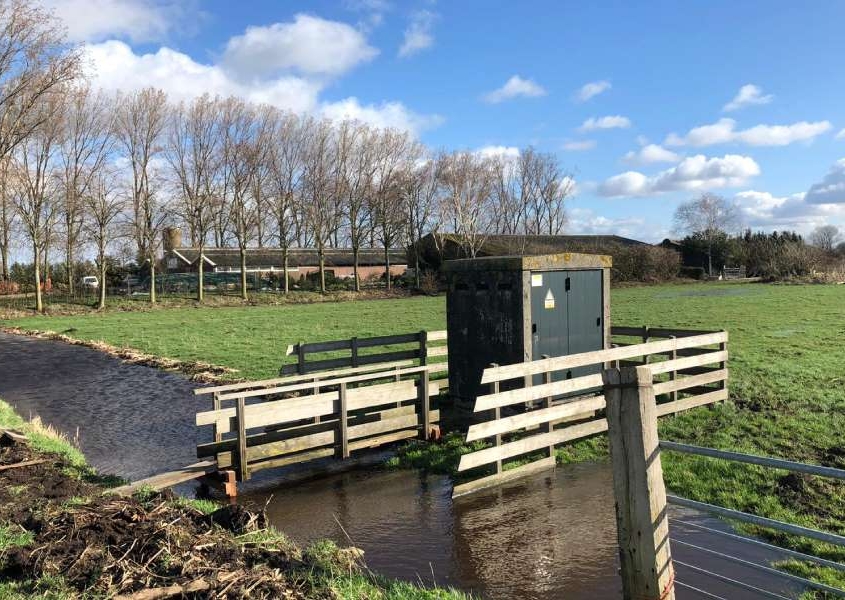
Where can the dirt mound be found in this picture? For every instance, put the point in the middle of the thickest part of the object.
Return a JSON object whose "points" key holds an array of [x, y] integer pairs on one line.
{"points": [[140, 548]]}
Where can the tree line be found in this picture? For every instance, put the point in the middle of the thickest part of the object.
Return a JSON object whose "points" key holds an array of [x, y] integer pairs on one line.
{"points": [[82, 170]]}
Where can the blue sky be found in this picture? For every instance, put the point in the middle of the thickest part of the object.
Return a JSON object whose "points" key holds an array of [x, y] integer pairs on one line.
{"points": [[744, 99]]}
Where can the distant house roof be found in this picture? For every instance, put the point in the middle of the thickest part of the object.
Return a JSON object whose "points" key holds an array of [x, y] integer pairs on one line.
{"points": [[297, 257]]}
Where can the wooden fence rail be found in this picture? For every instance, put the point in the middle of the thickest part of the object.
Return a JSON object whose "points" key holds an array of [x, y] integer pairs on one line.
{"points": [[529, 421], [357, 352], [256, 428]]}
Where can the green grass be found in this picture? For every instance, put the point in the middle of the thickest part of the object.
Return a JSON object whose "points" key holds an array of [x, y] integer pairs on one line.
{"points": [[786, 356]]}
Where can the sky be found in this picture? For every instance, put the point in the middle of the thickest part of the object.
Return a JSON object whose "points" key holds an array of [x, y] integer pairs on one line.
{"points": [[647, 104]]}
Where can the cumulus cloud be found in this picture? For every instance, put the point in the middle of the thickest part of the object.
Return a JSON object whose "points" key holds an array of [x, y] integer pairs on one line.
{"points": [[308, 44], [609, 122], [493, 151], [748, 95], [579, 145], [589, 90], [585, 221], [831, 189], [841, 135], [515, 87], [136, 20], [764, 210], [418, 35], [692, 173], [113, 65], [724, 131], [651, 153]]}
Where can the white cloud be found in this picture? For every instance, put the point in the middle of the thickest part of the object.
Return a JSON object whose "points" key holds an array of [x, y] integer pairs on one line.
{"points": [[308, 45], [418, 35], [748, 95], [386, 114], [589, 90], [724, 131], [763, 210], [651, 153], [579, 145], [831, 189], [507, 152], [515, 87], [137, 20], [113, 65], [841, 135], [584, 221], [693, 173], [609, 122]]}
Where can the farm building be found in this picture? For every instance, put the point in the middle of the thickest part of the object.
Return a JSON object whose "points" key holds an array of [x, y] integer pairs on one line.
{"points": [[301, 261], [434, 248]]}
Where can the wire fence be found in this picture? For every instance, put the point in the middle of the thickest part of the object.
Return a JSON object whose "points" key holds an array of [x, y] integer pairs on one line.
{"points": [[751, 519]]}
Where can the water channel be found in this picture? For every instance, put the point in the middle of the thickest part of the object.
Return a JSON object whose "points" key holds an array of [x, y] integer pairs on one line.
{"points": [[541, 538]]}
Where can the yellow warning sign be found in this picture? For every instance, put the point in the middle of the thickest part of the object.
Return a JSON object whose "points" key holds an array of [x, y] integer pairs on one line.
{"points": [[550, 300]]}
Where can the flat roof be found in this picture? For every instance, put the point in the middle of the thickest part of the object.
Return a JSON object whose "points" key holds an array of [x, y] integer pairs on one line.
{"points": [[545, 262]]}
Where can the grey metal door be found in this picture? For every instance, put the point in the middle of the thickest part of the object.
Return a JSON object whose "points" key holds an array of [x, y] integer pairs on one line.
{"points": [[550, 335], [585, 312]]}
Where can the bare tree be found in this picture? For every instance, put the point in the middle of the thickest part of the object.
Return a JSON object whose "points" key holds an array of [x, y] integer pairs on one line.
{"points": [[239, 151], [193, 154], [139, 126], [467, 182], [286, 165], [264, 129], [103, 207], [8, 217], [35, 185], [84, 149], [825, 237], [317, 187], [421, 195], [709, 216], [35, 62], [553, 188]]}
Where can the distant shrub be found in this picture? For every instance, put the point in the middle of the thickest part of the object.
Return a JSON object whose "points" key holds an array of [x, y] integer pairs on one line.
{"points": [[693, 272], [9, 287]]}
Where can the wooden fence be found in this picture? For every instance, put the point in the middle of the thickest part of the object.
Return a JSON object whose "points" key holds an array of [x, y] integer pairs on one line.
{"points": [[406, 349], [272, 423], [689, 370]]}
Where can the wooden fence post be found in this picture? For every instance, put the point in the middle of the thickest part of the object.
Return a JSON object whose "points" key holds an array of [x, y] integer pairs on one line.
{"points": [[497, 414], [353, 343], [423, 348], [240, 415], [641, 520], [425, 404], [674, 374], [343, 423], [547, 403], [300, 355], [724, 383]]}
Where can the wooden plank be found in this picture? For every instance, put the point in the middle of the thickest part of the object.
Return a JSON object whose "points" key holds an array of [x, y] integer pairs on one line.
{"points": [[687, 382], [243, 470], [292, 459], [274, 412], [690, 361], [298, 444], [667, 332], [621, 330], [369, 359], [382, 439], [692, 402], [316, 347], [319, 365], [386, 425], [536, 392], [503, 477], [437, 336], [642, 523], [480, 431], [388, 340], [381, 374], [559, 363], [168, 479], [437, 351], [343, 423], [530, 444], [266, 383]]}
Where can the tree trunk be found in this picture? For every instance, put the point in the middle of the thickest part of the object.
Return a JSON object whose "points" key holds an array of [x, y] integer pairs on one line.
{"points": [[200, 273], [322, 269], [102, 258], [243, 274], [69, 267], [152, 280], [4, 262], [285, 267], [387, 268], [355, 252], [417, 266], [39, 304]]}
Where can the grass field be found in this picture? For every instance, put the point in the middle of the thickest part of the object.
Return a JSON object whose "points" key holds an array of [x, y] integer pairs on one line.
{"points": [[786, 363]]}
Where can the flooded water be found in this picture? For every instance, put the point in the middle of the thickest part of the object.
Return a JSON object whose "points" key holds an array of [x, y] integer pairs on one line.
{"points": [[545, 537]]}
